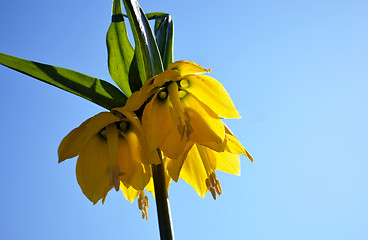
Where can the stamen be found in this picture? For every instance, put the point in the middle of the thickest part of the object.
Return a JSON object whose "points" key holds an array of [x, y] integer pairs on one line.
{"points": [[114, 177], [143, 204], [189, 129], [213, 185], [218, 187], [184, 125], [213, 193]]}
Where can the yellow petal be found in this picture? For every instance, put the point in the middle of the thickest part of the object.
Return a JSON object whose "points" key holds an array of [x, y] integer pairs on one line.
{"points": [[209, 91], [174, 165], [75, 141], [194, 173], [166, 76], [157, 122], [208, 158], [187, 67], [233, 145], [150, 187], [175, 144], [136, 100], [129, 193], [140, 149], [228, 162], [135, 174], [206, 125], [112, 143], [92, 167]]}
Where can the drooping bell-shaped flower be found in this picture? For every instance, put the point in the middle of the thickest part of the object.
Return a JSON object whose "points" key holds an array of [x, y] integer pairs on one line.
{"points": [[184, 108], [112, 148]]}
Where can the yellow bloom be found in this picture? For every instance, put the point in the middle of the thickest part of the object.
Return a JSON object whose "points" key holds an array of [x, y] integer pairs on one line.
{"points": [[185, 108], [201, 162], [111, 148]]}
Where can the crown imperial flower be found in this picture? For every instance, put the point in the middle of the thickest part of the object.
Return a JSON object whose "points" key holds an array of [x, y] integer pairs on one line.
{"points": [[112, 149]]}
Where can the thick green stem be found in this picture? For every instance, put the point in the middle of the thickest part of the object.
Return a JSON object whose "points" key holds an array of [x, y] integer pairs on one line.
{"points": [[162, 202]]}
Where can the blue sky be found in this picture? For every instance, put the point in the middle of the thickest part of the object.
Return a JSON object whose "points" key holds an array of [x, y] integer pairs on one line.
{"points": [[297, 73]]}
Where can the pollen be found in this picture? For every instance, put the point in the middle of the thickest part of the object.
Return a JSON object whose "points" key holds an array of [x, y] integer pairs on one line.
{"points": [[143, 204], [213, 185]]}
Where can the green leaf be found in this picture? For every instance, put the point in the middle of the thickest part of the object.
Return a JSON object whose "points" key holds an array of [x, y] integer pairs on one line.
{"points": [[90, 88], [120, 51], [147, 55], [164, 31], [154, 15]]}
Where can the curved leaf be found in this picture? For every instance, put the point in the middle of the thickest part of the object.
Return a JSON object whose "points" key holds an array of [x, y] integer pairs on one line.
{"points": [[146, 52], [90, 88], [164, 31], [120, 51]]}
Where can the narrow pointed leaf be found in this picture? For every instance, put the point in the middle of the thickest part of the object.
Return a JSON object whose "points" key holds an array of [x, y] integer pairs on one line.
{"points": [[90, 88], [164, 32], [146, 52], [120, 51]]}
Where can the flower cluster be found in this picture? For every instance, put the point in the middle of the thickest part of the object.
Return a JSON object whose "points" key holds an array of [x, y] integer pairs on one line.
{"points": [[176, 114]]}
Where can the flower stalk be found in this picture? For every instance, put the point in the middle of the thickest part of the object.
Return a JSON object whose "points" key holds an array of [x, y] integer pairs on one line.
{"points": [[162, 201]]}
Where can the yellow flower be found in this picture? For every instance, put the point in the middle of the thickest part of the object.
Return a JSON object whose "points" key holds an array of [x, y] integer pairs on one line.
{"points": [[111, 148], [185, 108], [201, 162]]}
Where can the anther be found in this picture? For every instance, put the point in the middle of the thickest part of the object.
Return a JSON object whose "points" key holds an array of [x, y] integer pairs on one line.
{"points": [[208, 183], [218, 187], [213, 185], [143, 204], [213, 193], [184, 83]]}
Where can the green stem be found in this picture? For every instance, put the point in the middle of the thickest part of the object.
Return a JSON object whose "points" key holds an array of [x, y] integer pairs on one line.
{"points": [[162, 202]]}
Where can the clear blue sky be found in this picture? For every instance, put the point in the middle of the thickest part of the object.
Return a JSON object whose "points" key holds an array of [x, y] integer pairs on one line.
{"points": [[297, 72]]}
